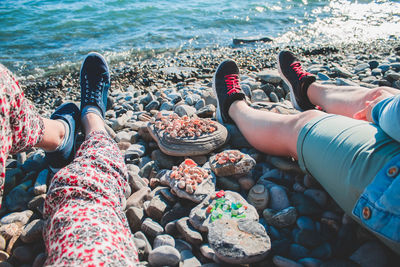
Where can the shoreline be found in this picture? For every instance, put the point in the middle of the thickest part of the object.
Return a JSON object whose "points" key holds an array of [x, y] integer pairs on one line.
{"points": [[145, 73]]}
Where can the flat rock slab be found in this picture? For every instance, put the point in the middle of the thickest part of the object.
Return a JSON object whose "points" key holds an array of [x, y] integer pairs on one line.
{"points": [[239, 241], [206, 188], [189, 146], [201, 219], [243, 166]]}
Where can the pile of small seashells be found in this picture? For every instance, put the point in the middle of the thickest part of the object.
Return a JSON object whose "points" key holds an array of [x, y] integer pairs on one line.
{"points": [[184, 126], [232, 156], [188, 175]]}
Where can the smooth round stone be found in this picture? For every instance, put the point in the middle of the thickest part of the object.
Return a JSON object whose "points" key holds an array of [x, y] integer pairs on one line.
{"points": [[164, 256], [376, 72], [361, 67], [246, 182], [285, 262], [164, 240], [39, 260], [166, 106], [298, 188], [304, 204], [373, 64], [23, 254], [188, 259], [258, 95], [370, 254], [339, 263], [323, 251], [304, 222], [183, 110], [308, 238], [258, 197], [281, 218], [278, 198], [317, 195], [33, 231], [297, 251], [322, 76], [182, 245], [207, 251], [20, 217], [273, 97], [248, 238], [310, 262], [151, 228], [384, 67], [200, 104]]}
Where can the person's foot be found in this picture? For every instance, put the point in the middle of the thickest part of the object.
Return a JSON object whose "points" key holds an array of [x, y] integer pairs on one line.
{"points": [[297, 79], [227, 89], [69, 114], [95, 82]]}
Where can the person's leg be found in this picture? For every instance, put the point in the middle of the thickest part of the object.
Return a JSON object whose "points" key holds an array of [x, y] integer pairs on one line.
{"points": [[343, 100], [21, 126], [86, 222], [270, 132], [305, 93]]}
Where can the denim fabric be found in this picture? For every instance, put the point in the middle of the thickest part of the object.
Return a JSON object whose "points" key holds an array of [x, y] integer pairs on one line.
{"points": [[379, 205], [386, 114]]}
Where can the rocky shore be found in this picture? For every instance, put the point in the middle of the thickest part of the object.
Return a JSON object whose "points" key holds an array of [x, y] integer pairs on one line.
{"points": [[258, 209]]}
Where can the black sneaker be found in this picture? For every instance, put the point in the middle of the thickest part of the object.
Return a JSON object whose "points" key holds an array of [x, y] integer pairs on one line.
{"points": [[69, 113], [95, 81], [227, 89], [297, 79]]}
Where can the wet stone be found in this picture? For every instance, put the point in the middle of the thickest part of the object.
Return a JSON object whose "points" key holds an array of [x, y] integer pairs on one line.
{"points": [[247, 240], [164, 256]]}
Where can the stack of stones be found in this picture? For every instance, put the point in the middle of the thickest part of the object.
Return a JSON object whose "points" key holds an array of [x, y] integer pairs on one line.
{"points": [[268, 213]]}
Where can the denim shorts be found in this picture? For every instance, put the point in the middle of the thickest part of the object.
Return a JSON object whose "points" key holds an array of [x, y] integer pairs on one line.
{"points": [[345, 155]]}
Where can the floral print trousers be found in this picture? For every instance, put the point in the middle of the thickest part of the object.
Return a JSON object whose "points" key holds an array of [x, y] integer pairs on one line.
{"points": [[86, 223]]}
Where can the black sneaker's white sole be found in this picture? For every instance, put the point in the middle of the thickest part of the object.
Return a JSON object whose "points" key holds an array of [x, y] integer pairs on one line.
{"points": [[218, 112], [292, 97]]}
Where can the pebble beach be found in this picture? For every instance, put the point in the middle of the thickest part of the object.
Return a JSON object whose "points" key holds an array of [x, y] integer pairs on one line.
{"points": [[287, 217]]}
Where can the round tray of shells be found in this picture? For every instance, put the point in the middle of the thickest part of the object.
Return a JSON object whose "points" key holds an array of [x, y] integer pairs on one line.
{"points": [[186, 136]]}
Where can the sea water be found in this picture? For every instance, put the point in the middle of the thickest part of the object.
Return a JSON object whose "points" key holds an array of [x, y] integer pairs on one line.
{"points": [[39, 36]]}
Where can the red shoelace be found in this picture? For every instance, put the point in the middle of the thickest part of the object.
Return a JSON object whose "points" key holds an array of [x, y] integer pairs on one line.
{"points": [[299, 70], [232, 82]]}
